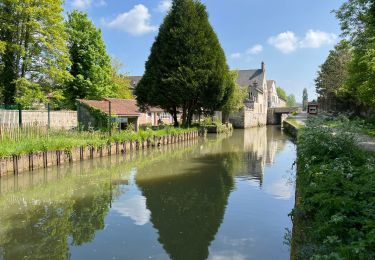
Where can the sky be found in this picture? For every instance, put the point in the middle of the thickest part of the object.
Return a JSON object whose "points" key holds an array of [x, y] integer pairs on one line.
{"points": [[292, 37]]}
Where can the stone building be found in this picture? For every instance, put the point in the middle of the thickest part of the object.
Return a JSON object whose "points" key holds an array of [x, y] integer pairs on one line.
{"points": [[273, 98], [254, 112]]}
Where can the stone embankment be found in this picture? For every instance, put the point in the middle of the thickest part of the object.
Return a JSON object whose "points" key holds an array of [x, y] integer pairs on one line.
{"points": [[23, 163]]}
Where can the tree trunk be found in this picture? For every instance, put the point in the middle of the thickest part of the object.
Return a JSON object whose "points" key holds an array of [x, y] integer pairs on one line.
{"points": [[175, 119]]}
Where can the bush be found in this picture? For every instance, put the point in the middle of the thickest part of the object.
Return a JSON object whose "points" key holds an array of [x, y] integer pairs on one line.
{"points": [[336, 189]]}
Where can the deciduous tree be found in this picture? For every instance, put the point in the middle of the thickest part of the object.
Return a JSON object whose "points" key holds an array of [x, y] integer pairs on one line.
{"points": [[91, 65], [32, 46]]}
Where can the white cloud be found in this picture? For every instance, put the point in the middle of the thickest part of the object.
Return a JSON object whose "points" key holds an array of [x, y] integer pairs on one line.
{"points": [[236, 55], [85, 4], [136, 21], [134, 208], [81, 4], [164, 6], [286, 42], [315, 39], [256, 49]]}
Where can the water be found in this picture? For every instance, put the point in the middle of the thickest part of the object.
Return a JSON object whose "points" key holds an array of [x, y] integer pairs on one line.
{"points": [[219, 198]]}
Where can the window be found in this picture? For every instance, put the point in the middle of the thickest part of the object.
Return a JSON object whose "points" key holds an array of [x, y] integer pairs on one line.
{"points": [[164, 115]]}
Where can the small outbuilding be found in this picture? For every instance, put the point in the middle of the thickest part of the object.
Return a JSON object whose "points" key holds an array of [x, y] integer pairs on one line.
{"points": [[312, 108], [125, 112]]}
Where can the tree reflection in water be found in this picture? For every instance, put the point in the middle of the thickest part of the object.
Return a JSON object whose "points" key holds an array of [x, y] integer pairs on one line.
{"points": [[188, 208]]}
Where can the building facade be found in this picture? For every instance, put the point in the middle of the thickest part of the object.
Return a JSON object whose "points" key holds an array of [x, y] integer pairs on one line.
{"points": [[261, 94]]}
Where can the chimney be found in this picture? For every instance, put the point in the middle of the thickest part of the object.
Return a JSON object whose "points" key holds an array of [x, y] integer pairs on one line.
{"points": [[263, 66]]}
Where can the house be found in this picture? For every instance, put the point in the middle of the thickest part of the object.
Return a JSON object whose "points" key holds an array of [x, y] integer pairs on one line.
{"points": [[124, 111], [254, 112], [273, 98]]}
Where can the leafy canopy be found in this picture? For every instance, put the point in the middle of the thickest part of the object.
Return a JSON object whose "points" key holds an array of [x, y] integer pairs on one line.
{"points": [[32, 47], [91, 65]]}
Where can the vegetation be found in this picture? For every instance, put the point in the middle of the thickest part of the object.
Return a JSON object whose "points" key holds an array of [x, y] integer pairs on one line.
{"points": [[305, 99], [335, 186], [349, 73], [236, 98], [32, 32], [67, 140], [43, 59], [291, 101], [187, 67], [281, 93], [91, 65]]}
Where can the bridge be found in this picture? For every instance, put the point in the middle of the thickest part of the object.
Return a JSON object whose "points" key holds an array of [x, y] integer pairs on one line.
{"points": [[276, 115]]}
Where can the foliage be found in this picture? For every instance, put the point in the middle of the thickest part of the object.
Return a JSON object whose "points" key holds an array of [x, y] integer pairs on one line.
{"points": [[120, 82], [187, 68], [236, 96], [291, 101], [281, 93], [357, 19], [332, 74], [91, 66], [32, 45], [335, 187], [305, 99], [67, 140]]}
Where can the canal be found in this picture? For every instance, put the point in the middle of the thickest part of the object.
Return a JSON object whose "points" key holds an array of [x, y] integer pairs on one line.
{"points": [[218, 198]]}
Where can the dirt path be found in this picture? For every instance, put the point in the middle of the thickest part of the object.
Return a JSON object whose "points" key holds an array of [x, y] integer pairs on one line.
{"points": [[364, 141]]}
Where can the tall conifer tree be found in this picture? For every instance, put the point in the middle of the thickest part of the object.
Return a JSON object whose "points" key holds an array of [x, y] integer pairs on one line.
{"points": [[187, 68]]}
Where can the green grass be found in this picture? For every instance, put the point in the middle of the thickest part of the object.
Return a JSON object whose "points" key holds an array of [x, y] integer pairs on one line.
{"points": [[67, 140]]}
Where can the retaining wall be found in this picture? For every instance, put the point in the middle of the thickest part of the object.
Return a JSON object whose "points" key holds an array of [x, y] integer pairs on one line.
{"points": [[30, 162]]}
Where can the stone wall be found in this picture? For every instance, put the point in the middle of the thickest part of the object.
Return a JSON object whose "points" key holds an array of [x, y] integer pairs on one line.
{"points": [[59, 119], [246, 118], [275, 118]]}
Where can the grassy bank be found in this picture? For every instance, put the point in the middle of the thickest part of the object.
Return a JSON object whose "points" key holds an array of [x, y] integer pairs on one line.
{"points": [[66, 140], [336, 195]]}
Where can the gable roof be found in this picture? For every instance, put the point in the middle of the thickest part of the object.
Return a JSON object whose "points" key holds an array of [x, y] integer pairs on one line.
{"points": [[247, 78], [119, 107]]}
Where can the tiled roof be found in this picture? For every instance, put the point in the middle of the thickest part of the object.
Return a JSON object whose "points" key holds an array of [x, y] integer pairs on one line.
{"points": [[119, 107], [247, 78]]}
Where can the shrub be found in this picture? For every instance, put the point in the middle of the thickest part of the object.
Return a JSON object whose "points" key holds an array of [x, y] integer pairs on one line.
{"points": [[336, 187]]}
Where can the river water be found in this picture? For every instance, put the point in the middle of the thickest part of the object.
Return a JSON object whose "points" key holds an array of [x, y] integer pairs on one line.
{"points": [[225, 197]]}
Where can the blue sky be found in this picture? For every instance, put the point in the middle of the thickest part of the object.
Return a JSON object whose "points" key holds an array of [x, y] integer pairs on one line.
{"points": [[293, 37]]}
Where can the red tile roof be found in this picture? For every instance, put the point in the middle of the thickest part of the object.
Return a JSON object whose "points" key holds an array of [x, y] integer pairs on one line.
{"points": [[119, 107]]}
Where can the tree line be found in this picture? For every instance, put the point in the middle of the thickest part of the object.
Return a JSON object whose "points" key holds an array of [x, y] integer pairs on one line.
{"points": [[46, 58], [348, 74]]}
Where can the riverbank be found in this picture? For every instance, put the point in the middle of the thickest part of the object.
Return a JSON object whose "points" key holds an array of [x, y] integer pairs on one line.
{"points": [[333, 215], [59, 148]]}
